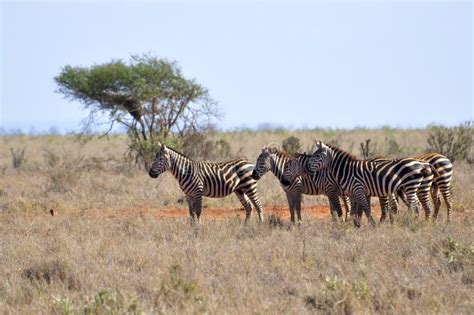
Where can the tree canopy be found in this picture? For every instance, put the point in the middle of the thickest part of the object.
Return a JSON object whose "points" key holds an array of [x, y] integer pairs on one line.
{"points": [[148, 95]]}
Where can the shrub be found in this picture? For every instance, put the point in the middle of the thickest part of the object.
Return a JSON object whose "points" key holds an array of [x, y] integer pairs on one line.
{"points": [[64, 172], [455, 143], [18, 157], [142, 152], [368, 151], [393, 147], [52, 271], [198, 146], [336, 297], [291, 145], [104, 302]]}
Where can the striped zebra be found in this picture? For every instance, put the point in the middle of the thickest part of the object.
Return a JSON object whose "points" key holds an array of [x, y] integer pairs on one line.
{"points": [[200, 178], [361, 179], [274, 160], [441, 184], [390, 203]]}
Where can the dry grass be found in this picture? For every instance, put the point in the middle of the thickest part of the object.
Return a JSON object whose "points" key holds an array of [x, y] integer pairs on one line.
{"points": [[93, 263], [103, 261]]}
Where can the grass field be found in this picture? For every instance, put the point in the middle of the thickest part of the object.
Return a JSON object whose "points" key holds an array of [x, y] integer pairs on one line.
{"points": [[114, 244]]}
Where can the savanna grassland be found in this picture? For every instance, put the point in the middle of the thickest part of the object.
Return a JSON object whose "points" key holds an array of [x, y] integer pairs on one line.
{"points": [[108, 249]]}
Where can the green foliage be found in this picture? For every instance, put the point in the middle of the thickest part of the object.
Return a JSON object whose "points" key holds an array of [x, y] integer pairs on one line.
{"points": [[179, 289], [360, 290], [143, 151], [455, 143], [104, 302], [457, 255], [63, 305], [335, 297], [291, 145], [18, 157]]}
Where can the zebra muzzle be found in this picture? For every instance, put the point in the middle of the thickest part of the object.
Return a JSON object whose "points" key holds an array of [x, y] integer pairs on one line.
{"points": [[255, 175], [152, 174]]}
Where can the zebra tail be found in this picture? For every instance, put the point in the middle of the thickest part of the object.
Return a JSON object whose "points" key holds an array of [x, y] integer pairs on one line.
{"points": [[429, 170]]}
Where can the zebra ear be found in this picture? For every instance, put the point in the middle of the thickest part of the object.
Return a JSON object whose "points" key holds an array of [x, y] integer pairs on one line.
{"points": [[319, 144], [273, 147]]}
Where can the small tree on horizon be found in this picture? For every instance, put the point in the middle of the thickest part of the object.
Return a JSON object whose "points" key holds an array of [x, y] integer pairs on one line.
{"points": [[148, 96]]}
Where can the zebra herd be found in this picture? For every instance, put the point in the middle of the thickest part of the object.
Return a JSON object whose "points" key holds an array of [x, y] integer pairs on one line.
{"points": [[329, 171]]}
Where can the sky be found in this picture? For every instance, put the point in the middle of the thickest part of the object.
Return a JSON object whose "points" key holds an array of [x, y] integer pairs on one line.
{"points": [[337, 64]]}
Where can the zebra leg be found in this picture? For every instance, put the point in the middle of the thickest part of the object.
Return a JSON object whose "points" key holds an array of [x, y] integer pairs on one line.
{"points": [[297, 205], [198, 208], [355, 212], [291, 205], [364, 202], [335, 205], [194, 203], [393, 208], [413, 202], [384, 204], [245, 201], [446, 192], [253, 195], [424, 197], [403, 196], [347, 207], [436, 200]]}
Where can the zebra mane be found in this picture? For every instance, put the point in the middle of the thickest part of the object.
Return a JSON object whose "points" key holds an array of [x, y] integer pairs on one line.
{"points": [[176, 151], [342, 152]]}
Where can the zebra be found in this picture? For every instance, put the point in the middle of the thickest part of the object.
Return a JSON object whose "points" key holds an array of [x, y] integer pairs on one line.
{"points": [[390, 203], [201, 178], [274, 160], [360, 179], [441, 184]]}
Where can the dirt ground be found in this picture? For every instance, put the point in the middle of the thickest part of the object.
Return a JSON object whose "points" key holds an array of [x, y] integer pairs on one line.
{"points": [[282, 212]]}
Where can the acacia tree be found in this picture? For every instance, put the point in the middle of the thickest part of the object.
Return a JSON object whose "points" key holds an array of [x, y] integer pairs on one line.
{"points": [[149, 96]]}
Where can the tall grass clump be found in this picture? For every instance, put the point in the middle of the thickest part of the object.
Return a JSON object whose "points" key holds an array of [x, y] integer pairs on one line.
{"points": [[63, 171], [455, 143]]}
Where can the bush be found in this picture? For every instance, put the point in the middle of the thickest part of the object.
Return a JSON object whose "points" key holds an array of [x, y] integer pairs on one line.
{"points": [[198, 146], [142, 152], [393, 148], [291, 145], [64, 172], [368, 151], [52, 271], [18, 157], [455, 143]]}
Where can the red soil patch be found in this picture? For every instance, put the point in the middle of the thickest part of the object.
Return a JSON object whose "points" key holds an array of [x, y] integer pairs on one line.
{"points": [[318, 212], [221, 213]]}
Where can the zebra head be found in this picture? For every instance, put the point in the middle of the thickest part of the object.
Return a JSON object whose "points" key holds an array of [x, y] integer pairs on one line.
{"points": [[293, 170], [263, 164], [160, 163], [320, 159]]}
